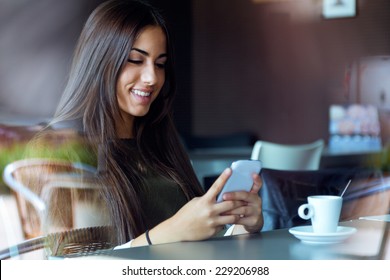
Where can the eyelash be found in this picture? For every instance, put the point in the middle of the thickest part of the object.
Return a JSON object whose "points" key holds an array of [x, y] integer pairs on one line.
{"points": [[139, 62]]}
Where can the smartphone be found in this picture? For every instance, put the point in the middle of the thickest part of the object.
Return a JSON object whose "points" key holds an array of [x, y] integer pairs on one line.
{"points": [[241, 177]]}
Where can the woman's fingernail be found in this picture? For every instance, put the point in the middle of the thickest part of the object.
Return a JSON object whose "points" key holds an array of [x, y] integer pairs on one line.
{"points": [[227, 171]]}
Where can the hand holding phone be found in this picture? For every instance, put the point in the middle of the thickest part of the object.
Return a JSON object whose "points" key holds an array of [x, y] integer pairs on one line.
{"points": [[241, 177]]}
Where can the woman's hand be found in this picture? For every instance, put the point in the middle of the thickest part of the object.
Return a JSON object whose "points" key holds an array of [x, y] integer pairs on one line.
{"points": [[202, 217], [249, 215]]}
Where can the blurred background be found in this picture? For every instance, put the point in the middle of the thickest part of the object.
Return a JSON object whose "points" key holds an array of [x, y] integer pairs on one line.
{"points": [[283, 71], [270, 68]]}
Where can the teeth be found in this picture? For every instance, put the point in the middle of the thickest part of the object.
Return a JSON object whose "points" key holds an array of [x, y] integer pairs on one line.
{"points": [[141, 93]]}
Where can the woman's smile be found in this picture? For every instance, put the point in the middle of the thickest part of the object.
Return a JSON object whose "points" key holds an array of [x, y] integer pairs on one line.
{"points": [[142, 97], [142, 93]]}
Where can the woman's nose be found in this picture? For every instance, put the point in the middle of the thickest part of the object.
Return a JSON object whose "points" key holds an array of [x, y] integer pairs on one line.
{"points": [[149, 75]]}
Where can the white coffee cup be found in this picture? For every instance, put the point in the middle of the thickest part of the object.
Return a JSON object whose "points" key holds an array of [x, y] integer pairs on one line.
{"points": [[324, 212]]}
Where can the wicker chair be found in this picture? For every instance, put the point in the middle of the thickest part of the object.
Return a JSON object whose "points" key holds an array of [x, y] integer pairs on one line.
{"points": [[69, 244], [48, 192]]}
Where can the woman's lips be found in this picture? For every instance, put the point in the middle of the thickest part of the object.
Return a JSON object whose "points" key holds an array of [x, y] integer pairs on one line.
{"points": [[141, 93], [142, 96]]}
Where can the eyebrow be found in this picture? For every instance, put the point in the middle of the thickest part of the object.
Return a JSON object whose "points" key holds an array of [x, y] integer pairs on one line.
{"points": [[147, 54]]}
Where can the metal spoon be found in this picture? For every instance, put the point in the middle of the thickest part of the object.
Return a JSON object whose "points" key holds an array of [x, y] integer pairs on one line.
{"points": [[346, 187]]}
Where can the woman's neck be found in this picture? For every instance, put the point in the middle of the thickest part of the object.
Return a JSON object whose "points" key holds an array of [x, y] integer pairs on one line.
{"points": [[124, 128]]}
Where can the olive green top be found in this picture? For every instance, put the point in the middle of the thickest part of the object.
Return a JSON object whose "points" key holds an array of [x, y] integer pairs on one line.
{"points": [[160, 197], [160, 200]]}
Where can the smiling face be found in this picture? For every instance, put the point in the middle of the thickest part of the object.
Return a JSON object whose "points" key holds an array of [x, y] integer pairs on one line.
{"points": [[142, 78]]}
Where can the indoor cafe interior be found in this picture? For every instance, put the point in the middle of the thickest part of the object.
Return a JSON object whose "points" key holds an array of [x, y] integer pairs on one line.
{"points": [[303, 86]]}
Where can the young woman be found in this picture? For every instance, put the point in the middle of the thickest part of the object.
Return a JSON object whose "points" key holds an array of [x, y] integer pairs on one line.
{"points": [[119, 95]]}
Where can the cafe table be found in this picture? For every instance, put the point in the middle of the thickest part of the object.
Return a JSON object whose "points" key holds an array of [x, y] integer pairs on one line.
{"points": [[370, 241]]}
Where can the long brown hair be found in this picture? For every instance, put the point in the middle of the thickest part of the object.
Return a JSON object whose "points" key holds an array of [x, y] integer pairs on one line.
{"points": [[90, 102]]}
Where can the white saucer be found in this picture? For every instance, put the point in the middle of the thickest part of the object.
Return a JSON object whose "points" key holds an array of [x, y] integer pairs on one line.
{"points": [[306, 235]]}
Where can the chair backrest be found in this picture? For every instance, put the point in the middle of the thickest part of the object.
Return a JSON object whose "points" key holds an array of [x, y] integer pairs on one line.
{"points": [[46, 191], [288, 157]]}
